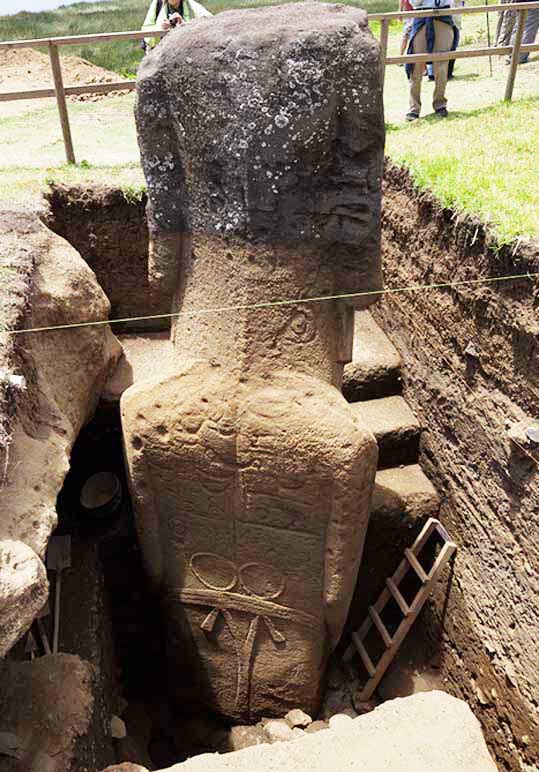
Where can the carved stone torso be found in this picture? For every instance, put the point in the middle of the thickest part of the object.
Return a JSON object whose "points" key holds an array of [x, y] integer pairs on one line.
{"points": [[251, 477]]}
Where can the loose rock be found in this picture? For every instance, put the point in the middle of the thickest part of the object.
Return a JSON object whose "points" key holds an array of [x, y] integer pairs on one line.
{"points": [[117, 728], [278, 730], [297, 717]]}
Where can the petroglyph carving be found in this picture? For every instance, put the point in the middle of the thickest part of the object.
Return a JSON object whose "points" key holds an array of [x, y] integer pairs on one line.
{"points": [[251, 477], [261, 584]]}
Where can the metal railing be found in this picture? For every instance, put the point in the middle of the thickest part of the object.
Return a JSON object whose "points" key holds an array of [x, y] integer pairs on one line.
{"points": [[60, 91]]}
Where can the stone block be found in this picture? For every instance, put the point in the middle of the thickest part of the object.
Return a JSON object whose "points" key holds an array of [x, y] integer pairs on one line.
{"points": [[429, 732]]}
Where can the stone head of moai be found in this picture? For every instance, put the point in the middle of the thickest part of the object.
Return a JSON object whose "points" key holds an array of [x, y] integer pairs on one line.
{"points": [[261, 136]]}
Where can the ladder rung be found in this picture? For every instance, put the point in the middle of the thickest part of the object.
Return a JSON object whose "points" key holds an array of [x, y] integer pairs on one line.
{"points": [[394, 590], [380, 626], [416, 565], [363, 654], [410, 613]]}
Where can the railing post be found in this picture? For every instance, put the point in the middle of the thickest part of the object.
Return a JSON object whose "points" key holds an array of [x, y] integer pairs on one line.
{"points": [[515, 55], [61, 101], [384, 35]]}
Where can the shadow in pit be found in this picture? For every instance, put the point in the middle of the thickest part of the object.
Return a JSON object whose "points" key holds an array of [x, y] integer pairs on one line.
{"points": [[112, 617]]}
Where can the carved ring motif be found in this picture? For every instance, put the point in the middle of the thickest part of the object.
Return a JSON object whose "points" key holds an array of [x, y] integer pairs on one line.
{"points": [[262, 587]]}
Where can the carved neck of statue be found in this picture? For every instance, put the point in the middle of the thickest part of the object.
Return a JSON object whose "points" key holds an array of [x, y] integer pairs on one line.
{"points": [[314, 337]]}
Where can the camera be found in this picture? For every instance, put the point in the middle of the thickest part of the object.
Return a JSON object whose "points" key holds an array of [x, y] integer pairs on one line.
{"points": [[175, 19]]}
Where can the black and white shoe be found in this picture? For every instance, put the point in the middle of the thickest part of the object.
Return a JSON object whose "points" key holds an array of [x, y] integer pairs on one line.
{"points": [[412, 116], [441, 112]]}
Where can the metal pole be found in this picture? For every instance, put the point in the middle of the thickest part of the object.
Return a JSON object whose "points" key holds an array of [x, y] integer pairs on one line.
{"points": [[515, 56], [61, 101], [489, 41]]}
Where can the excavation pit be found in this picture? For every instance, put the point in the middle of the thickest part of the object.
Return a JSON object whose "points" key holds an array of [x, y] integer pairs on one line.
{"points": [[461, 655]]}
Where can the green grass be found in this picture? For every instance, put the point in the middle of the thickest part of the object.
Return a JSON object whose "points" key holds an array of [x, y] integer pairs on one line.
{"points": [[481, 161], [484, 159], [105, 144]]}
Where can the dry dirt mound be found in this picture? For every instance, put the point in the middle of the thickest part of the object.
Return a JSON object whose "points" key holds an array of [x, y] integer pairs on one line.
{"points": [[24, 69]]}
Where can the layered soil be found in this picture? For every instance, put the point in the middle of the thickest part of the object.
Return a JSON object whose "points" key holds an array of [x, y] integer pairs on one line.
{"points": [[471, 374], [109, 231]]}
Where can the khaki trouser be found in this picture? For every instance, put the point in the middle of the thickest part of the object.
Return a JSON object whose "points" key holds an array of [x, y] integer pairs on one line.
{"points": [[443, 42]]}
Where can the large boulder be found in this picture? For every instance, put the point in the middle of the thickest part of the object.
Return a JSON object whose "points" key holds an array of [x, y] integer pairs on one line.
{"points": [[261, 135], [430, 732], [50, 385]]}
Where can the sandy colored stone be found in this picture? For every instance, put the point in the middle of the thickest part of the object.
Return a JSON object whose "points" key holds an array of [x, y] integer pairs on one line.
{"points": [[126, 766], [278, 730], [241, 737], [297, 717], [64, 373], [339, 720], [117, 728], [144, 355], [431, 732], [316, 726], [23, 588], [288, 448], [375, 369]]}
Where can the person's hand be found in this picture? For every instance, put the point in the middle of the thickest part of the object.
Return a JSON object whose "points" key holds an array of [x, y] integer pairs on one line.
{"points": [[175, 18], [165, 24]]}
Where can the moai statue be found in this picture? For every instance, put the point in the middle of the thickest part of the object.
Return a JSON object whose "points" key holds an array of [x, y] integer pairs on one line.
{"points": [[261, 134]]}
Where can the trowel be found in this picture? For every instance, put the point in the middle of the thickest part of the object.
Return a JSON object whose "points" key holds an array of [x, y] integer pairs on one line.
{"points": [[58, 558]]}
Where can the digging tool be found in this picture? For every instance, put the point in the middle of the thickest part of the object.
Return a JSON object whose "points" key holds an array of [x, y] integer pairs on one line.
{"points": [[45, 612], [58, 558], [10, 745], [30, 647]]}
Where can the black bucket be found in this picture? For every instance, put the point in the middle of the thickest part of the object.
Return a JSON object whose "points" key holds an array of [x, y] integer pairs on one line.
{"points": [[101, 495]]}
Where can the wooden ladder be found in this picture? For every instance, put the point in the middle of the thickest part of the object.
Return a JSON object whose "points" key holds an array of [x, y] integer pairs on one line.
{"points": [[409, 611]]}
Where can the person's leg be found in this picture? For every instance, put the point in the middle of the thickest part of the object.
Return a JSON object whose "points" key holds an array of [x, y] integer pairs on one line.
{"points": [[531, 26], [404, 43], [443, 42], [506, 31], [499, 25], [419, 46]]}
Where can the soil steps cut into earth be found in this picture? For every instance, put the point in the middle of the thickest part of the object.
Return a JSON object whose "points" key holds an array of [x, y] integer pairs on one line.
{"points": [[403, 498], [376, 364], [395, 427]]}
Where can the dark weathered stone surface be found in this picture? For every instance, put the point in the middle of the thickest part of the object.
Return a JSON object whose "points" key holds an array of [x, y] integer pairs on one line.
{"points": [[261, 135], [268, 123]]}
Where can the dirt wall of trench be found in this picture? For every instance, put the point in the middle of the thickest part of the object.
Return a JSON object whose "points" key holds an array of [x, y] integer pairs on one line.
{"points": [[489, 651], [108, 229], [471, 374]]}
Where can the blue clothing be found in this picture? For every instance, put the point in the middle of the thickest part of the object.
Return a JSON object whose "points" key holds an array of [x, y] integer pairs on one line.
{"points": [[421, 22]]}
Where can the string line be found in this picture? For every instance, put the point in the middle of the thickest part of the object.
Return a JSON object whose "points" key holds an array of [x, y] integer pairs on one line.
{"points": [[275, 303]]}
